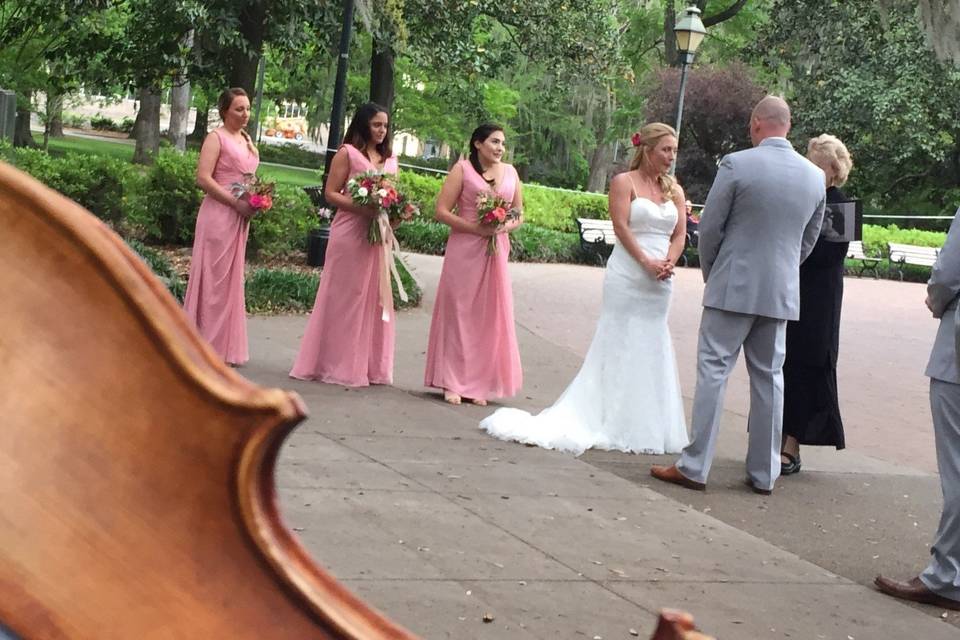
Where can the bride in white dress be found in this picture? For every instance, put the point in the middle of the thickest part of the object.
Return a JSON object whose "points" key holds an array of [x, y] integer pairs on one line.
{"points": [[626, 396]]}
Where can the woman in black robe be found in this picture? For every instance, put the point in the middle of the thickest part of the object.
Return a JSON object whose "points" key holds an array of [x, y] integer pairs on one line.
{"points": [[811, 408]]}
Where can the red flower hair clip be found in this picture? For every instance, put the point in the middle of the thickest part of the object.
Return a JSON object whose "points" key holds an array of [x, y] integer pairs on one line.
{"points": [[636, 139]]}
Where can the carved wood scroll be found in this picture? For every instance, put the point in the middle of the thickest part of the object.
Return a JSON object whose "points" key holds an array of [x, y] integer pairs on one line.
{"points": [[137, 496]]}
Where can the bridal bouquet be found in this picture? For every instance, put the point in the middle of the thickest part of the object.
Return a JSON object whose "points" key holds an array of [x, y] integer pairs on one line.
{"points": [[494, 211], [373, 188], [255, 190]]}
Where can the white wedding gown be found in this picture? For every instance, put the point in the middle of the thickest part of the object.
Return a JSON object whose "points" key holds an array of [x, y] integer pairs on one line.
{"points": [[626, 396]]}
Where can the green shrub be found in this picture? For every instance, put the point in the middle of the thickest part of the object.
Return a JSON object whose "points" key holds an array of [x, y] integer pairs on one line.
{"points": [[422, 189], [74, 120], [165, 208], [285, 226], [440, 164], [876, 237], [531, 243], [414, 292], [557, 210], [276, 290], [98, 183], [423, 236], [161, 267], [126, 125], [292, 154], [544, 207], [102, 123], [282, 290]]}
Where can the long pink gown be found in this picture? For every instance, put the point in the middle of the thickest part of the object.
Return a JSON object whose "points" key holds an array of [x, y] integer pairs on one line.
{"points": [[347, 341], [214, 300], [473, 342]]}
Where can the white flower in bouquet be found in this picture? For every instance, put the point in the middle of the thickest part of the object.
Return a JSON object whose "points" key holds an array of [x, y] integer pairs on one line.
{"points": [[362, 192], [382, 193]]}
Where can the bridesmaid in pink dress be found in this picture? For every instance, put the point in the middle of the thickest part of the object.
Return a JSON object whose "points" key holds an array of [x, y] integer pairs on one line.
{"points": [[473, 350], [349, 339], [214, 299]]}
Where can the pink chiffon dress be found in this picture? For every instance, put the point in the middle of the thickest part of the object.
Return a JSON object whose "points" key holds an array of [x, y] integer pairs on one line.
{"points": [[347, 341], [473, 348], [214, 300]]}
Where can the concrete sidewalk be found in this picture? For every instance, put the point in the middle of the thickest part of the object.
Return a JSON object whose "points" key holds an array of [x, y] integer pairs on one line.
{"points": [[403, 498]]}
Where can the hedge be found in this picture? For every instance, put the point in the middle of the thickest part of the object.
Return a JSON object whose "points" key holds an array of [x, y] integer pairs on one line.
{"points": [[529, 243], [158, 204]]}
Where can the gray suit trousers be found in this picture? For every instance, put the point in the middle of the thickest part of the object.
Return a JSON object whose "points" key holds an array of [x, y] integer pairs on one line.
{"points": [[942, 576], [722, 334]]}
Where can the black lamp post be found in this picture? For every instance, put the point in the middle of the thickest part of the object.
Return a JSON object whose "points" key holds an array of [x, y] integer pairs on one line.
{"points": [[317, 239], [690, 32], [339, 89]]}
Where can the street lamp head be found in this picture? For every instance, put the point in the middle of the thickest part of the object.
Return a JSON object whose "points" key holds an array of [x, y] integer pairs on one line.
{"points": [[690, 32]]}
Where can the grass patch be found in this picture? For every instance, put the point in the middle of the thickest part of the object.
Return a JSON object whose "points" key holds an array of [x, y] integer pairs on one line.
{"points": [[290, 176], [118, 149], [123, 150]]}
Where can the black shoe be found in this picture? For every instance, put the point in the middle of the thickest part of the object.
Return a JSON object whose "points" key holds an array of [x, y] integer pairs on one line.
{"points": [[789, 468], [756, 489]]}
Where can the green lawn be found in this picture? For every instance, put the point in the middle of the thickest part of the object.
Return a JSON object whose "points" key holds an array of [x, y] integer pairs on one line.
{"points": [[123, 150]]}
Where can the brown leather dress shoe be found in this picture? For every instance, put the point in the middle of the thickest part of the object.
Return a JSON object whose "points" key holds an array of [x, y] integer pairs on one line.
{"points": [[914, 590], [672, 475]]}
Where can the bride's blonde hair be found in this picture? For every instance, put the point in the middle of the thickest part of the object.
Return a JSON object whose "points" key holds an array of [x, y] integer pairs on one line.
{"points": [[645, 140]]}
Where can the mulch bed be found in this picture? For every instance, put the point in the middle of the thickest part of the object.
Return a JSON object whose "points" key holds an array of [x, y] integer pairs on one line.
{"points": [[296, 261]]}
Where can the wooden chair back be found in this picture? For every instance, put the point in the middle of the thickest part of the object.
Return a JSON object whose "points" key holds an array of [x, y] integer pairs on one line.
{"points": [[137, 494]]}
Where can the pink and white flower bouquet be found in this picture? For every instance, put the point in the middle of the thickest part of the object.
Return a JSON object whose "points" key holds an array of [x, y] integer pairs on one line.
{"points": [[373, 188], [255, 190], [494, 211]]}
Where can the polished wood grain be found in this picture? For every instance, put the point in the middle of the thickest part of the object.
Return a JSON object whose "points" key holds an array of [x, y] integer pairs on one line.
{"points": [[137, 497]]}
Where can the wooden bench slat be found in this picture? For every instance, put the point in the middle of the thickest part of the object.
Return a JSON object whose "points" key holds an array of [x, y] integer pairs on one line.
{"points": [[903, 254], [867, 263]]}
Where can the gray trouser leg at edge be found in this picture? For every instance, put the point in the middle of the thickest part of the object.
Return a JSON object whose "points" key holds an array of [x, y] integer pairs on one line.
{"points": [[764, 350], [942, 576], [721, 335]]}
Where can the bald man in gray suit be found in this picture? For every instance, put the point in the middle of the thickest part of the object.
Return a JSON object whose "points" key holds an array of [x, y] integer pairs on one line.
{"points": [[939, 584], [761, 220]]}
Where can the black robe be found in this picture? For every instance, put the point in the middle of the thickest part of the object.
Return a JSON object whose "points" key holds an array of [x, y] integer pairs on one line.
{"points": [[811, 409]]}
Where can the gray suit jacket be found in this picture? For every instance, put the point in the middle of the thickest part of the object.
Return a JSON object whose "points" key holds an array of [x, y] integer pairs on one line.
{"points": [[760, 222], [943, 288]]}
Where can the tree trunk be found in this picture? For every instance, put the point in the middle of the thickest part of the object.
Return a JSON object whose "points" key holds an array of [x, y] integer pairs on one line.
{"points": [[941, 19], [243, 73], [381, 75], [202, 123], [670, 55], [599, 167], [21, 131], [54, 127], [180, 104], [148, 127], [179, 112]]}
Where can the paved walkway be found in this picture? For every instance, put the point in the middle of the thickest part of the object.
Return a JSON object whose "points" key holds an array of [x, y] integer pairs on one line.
{"points": [[403, 498]]}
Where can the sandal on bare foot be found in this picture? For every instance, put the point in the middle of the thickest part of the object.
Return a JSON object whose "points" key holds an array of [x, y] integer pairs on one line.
{"points": [[480, 402], [451, 397]]}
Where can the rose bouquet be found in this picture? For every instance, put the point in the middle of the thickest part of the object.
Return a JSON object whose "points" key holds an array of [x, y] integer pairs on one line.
{"points": [[494, 211], [255, 190], [375, 189]]}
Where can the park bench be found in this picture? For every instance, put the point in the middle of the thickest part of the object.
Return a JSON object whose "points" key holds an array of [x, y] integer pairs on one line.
{"points": [[867, 263], [316, 194], [903, 254], [596, 238]]}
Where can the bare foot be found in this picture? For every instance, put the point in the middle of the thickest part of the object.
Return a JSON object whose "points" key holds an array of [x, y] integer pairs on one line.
{"points": [[451, 397], [479, 402]]}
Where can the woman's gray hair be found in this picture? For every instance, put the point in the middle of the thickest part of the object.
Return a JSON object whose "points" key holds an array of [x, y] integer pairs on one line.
{"points": [[827, 151]]}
